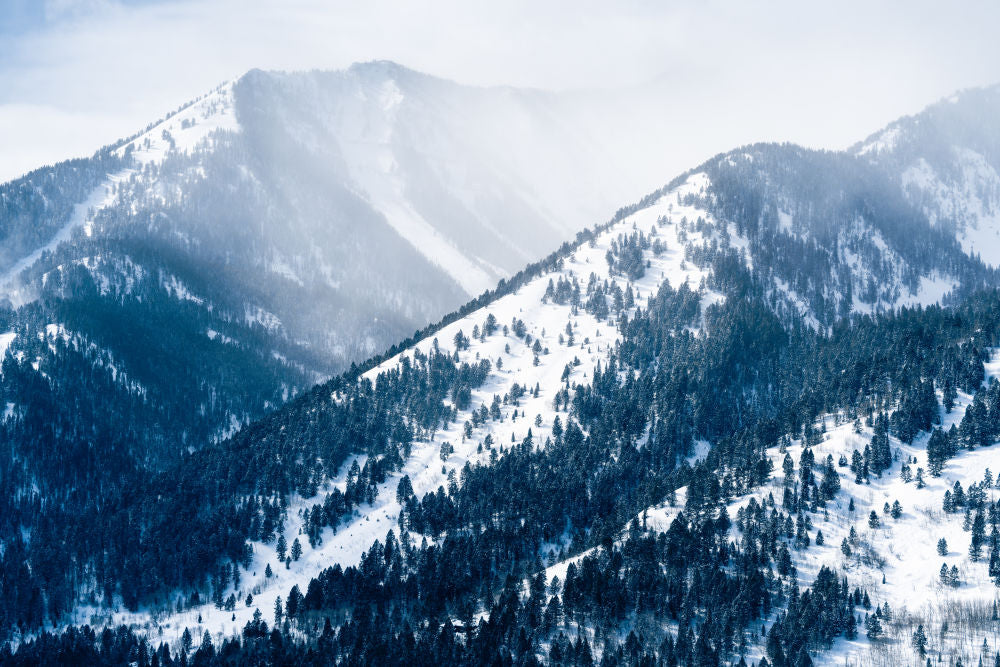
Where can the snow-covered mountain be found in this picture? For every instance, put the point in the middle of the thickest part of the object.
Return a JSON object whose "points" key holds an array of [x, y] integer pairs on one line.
{"points": [[617, 416], [258, 239], [346, 209], [947, 159]]}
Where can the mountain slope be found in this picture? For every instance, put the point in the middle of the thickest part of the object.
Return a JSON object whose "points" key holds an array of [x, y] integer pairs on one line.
{"points": [[261, 238], [179, 284], [680, 347], [947, 159]]}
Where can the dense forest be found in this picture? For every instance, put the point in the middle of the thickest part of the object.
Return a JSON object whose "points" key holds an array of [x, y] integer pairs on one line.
{"points": [[593, 476]]}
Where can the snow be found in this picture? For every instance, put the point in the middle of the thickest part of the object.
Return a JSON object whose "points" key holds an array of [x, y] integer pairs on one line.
{"points": [[187, 129], [784, 221], [422, 235], [81, 216], [375, 169], [907, 544], [54, 331], [701, 449], [968, 199], [284, 269], [5, 340], [593, 341], [932, 290], [257, 315], [212, 334], [884, 141], [178, 290], [797, 302]]}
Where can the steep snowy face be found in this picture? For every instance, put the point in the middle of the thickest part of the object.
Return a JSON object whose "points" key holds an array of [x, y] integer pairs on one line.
{"points": [[347, 209], [967, 200], [190, 129], [947, 158], [478, 181]]}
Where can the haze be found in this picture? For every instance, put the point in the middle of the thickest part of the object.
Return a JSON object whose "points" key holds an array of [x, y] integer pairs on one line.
{"points": [[666, 85]]}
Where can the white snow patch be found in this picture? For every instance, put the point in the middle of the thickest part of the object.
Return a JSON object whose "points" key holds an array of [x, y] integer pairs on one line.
{"points": [[185, 130], [5, 340]]}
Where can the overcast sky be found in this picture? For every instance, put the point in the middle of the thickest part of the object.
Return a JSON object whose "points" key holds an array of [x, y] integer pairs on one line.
{"points": [[77, 74]]}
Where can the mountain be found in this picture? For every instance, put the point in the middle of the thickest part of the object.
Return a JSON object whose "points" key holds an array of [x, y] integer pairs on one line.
{"points": [[946, 158], [190, 278], [263, 237], [348, 208], [680, 438]]}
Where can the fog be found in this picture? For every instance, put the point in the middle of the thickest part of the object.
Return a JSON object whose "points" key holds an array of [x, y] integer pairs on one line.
{"points": [[670, 83]]}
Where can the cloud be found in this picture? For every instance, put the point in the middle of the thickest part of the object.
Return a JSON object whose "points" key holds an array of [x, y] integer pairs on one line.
{"points": [[61, 10], [94, 70]]}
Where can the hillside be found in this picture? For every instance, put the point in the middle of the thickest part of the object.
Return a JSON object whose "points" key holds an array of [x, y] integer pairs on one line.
{"points": [[617, 415], [189, 279]]}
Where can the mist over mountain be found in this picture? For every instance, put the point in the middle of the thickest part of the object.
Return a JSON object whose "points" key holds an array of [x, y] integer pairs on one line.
{"points": [[665, 441], [946, 159], [274, 231]]}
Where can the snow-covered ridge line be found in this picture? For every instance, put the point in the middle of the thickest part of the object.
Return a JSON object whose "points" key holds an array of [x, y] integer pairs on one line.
{"points": [[183, 131], [513, 361]]}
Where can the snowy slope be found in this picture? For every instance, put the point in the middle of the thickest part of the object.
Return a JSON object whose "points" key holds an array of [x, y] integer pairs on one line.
{"points": [[968, 201], [901, 564], [947, 159], [544, 321], [191, 127], [183, 131]]}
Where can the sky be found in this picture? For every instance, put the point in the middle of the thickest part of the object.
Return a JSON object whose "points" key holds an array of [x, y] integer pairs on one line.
{"points": [[78, 74]]}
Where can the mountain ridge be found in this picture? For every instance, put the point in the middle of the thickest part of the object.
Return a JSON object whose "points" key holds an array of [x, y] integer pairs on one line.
{"points": [[738, 263]]}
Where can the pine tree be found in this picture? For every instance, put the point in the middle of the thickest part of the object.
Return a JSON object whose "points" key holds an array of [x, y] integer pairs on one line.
{"points": [[920, 641], [873, 627], [296, 549], [942, 547], [282, 547]]}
